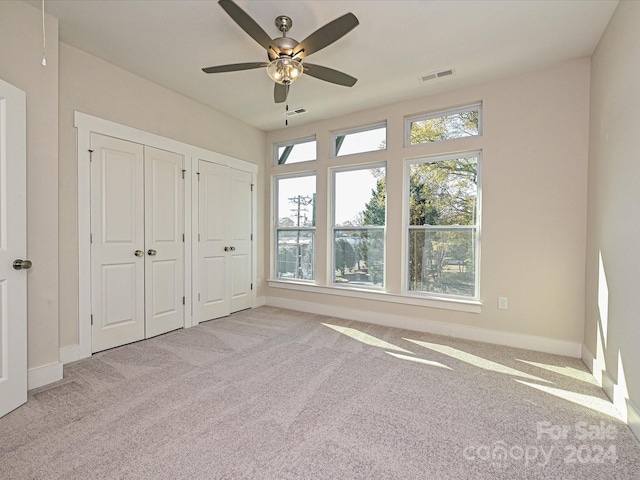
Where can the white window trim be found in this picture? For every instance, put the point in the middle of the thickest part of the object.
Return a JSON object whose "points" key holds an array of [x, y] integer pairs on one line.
{"points": [[441, 113], [350, 131], [332, 228], [274, 227], [292, 143], [406, 226], [460, 305]]}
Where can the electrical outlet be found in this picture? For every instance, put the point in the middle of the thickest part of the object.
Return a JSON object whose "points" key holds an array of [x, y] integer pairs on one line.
{"points": [[502, 303]]}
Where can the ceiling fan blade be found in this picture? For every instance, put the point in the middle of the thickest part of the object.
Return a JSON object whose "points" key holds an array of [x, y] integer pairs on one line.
{"points": [[280, 93], [234, 67], [329, 75], [249, 25], [326, 35]]}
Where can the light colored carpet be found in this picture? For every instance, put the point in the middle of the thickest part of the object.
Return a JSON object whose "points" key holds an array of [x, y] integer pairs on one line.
{"points": [[275, 394]]}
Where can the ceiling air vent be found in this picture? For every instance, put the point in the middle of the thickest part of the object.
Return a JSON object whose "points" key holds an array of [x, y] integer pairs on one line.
{"points": [[297, 111], [434, 75]]}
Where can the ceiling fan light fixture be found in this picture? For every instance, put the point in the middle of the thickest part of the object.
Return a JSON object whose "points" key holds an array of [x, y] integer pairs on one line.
{"points": [[284, 70]]}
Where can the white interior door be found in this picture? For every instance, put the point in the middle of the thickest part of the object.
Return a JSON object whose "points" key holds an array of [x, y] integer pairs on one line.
{"points": [[213, 200], [240, 240], [164, 241], [13, 246], [117, 243], [225, 236]]}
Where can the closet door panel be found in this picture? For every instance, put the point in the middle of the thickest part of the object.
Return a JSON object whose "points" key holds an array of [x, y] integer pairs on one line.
{"points": [[213, 246], [117, 231], [164, 245], [240, 240]]}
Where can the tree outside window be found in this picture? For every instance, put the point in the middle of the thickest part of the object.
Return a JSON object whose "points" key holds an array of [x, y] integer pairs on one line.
{"points": [[443, 225], [359, 226]]}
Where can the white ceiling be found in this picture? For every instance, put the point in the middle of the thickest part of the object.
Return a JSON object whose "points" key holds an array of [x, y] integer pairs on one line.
{"points": [[397, 41]]}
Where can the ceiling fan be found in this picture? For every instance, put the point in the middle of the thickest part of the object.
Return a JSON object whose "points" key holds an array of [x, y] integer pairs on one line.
{"points": [[286, 54]]}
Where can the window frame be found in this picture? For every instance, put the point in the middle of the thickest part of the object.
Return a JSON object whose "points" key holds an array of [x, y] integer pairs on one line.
{"points": [[332, 228], [408, 121], [277, 228], [293, 143], [407, 227], [351, 131]]}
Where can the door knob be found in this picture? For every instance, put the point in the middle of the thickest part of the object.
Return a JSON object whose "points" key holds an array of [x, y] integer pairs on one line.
{"points": [[22, 264], [152, 252], [226, 249], [138, 253], [233, 249]]}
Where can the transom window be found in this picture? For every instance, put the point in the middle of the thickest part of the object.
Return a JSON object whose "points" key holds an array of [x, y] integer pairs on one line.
{"points": [[435, 200], [295, 151], [295, 225], [359, 218], [444, 125], [442, 208], [360, 140]]}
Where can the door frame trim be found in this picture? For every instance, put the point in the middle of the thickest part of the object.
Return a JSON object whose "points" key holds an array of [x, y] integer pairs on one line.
{"points": [[88, 124]]}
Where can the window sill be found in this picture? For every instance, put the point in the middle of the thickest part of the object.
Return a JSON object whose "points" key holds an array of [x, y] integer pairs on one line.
{"points": [[469, 306]]}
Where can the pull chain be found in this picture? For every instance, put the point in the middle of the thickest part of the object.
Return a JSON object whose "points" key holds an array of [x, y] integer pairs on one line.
{"points": [[286, 107], [44, 40]]}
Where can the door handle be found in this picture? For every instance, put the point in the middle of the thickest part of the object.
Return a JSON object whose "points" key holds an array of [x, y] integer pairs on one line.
{"points": [[138, 253], [22, 264], [226, 249], [233, 249], [152, 252]]}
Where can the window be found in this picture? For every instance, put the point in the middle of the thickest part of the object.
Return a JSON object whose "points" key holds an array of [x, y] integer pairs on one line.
{"points": [[295, 227], [296, 151], [444, 125], [360, 140], [443, 221], [359, 217]]}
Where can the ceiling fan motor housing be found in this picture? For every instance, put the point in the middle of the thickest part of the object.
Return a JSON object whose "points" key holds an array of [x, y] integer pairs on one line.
{"points": [[285, 45]]}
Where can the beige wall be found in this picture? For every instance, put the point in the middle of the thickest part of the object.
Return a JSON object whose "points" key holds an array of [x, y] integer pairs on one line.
{"points": [[98, 88], [534, 183], [20, 57], [612, 329]]}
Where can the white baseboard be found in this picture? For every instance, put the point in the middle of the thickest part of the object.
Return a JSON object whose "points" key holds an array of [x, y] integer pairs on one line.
{"points": [[628, 410], [589, 360], [608, 385], [44, 375], [73, 353], [518, 340], [595, 365], [633, 418]]}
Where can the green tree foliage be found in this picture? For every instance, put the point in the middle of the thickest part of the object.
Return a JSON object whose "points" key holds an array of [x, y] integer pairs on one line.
{"points": [[345, 255], [441, 193], [446, 127], [372, 246], [375, 210]]}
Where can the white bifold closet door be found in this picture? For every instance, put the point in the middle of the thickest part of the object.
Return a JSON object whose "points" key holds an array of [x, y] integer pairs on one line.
{"points": [[137, 242], [225, 236]]}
